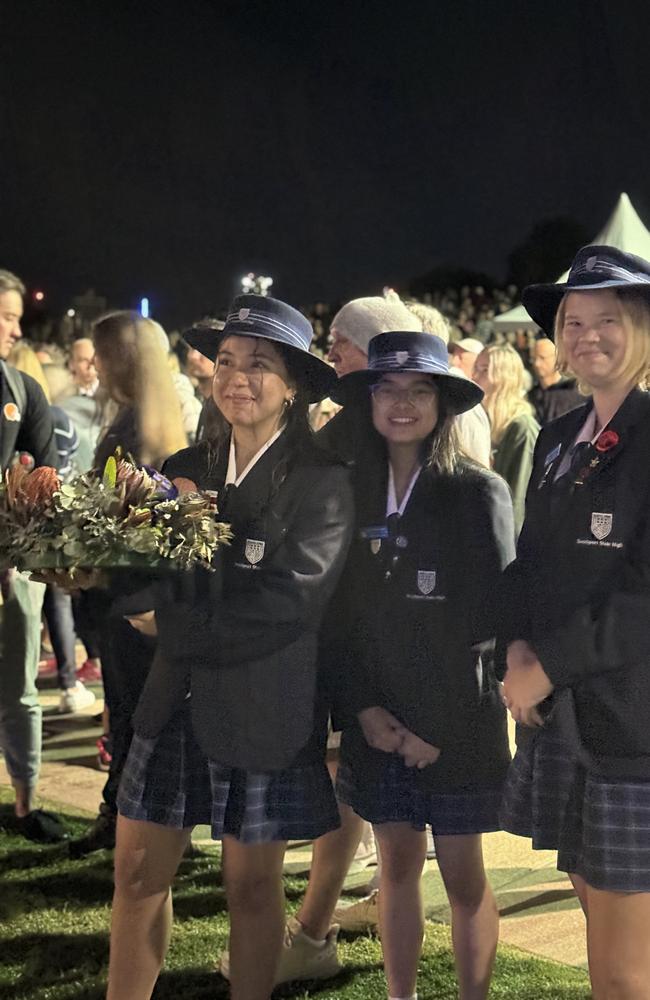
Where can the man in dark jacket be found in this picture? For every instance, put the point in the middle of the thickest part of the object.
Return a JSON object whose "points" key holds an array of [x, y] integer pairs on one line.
{"points": [[554, 394], [25, 428]]}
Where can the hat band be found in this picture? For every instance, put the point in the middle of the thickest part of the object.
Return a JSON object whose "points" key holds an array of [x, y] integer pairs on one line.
{"points": [[592, 268], [263, 319], [396, 361]]}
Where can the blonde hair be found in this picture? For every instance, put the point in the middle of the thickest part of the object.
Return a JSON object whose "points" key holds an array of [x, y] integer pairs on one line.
{"points": [[504, 400], [135, 373], [431, 319], [23, 357], [635, 316]]}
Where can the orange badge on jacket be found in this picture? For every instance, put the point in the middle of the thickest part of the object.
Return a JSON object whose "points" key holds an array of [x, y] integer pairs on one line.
{"points": [[11, 412]]}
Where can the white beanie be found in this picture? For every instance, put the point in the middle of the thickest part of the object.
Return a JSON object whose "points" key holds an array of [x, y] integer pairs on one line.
{"points": [[362, 319]]}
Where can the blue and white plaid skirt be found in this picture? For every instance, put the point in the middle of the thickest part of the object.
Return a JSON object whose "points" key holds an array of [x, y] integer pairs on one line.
{"points": [[600, 827], [395, 796], [169, 780]]}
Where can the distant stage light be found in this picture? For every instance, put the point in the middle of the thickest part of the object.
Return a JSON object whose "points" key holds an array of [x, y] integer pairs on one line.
{"points": [[144, 308], [257, 284], [71, 313], [39, 296]]}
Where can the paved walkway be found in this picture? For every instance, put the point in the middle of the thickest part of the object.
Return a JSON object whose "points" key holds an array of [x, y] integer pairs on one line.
{"points": [[539, 910]]}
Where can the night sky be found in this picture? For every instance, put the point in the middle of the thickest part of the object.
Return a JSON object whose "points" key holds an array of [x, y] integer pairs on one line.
{"points": [[166, 149]]}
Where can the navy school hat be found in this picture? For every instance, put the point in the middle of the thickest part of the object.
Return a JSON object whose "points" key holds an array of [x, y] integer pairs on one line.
{"points": [[270, 319], [594, 268], [398, 352]]}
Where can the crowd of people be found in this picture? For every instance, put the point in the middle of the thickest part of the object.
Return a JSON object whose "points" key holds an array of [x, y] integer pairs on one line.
{"points": [[429, 530]]}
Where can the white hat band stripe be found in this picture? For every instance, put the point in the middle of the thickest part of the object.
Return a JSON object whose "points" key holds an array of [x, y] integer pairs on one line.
{"points": [[263, 319]]}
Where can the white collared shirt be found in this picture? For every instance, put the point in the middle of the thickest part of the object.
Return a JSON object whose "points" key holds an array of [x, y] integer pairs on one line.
{"points": [[231, 475], [391, 500], [587, 432]]}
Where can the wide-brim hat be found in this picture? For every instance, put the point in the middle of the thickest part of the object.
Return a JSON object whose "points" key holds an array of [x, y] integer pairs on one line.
{"points": [[594, 268], [270, 319], [401, 352]]}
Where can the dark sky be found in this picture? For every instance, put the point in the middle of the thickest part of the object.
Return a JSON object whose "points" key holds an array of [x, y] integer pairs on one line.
{"points": [[165, 149]]}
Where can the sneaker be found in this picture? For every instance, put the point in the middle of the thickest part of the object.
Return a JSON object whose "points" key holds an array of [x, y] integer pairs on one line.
{"points": [[75, 698], [301, 957], [43, 827], [90, 672], [104, 755], [100, 836], [361, 916], [366, 854]]}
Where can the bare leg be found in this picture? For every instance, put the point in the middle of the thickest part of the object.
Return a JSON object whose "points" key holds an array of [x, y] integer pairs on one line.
{"points": [[618, 944], [401, 920], [253, 882], [474, 914], [146, 858], [580, 887], [332, 856], [25, 797]]}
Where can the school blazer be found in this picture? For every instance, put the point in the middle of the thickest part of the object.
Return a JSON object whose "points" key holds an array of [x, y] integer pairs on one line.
{"points": [[420, 593], [579, 590], [242, 642]]}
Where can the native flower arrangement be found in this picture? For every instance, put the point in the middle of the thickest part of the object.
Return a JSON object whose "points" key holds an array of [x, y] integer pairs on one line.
{"points": [[125, 517]]}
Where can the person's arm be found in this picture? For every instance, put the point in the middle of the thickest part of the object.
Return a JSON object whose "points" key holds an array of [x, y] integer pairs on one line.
{"points": [[36, 434], [292, 588], [517, 464]]}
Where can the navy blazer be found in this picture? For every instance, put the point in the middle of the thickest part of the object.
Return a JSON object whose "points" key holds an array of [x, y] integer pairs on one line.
{"points": [[420, 593], [244, 641], [579, 590]]}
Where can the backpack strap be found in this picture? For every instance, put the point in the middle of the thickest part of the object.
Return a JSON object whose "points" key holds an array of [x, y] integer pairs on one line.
{"points": [[16, 385]]}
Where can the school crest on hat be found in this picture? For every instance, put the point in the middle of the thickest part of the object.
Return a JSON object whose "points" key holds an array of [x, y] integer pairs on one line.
{"points": [[426, 581], [254, 550], [601, 525]]}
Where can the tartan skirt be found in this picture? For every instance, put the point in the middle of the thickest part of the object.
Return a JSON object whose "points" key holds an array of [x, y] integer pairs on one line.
{"points": [[396, 797], [169, 780], [599, 826]]}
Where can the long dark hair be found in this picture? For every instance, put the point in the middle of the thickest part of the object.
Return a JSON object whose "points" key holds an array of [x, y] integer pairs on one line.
{"points": [[440, 450], [296, 425]]}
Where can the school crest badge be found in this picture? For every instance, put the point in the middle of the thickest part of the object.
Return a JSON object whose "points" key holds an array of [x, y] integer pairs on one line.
{"points": [[244, 313], [426, 581], [375, 545], [601, 525], [254, 550], [401, 357]]}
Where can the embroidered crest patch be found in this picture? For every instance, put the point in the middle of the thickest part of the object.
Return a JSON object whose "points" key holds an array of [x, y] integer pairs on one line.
{"points": [[244, 313], [601, 525], [254, 550], [426, 581]]}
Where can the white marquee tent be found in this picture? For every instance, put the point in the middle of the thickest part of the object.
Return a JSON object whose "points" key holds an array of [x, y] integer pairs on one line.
{"points": [[624, 230]]}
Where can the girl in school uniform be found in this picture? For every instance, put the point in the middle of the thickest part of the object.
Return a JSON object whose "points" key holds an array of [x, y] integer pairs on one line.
{"points": [[577, 613], [425, 741], [229, 730]]}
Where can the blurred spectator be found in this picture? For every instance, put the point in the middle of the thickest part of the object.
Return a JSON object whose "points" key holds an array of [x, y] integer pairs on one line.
{"points": [[554, 394], [500, 372], [463, 354]]}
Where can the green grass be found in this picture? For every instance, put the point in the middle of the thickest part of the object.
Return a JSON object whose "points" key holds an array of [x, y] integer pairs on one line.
{"points": [[54, 916]]}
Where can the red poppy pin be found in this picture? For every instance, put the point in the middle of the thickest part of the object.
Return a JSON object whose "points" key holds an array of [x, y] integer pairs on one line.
{"points": [[607, 440]]}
